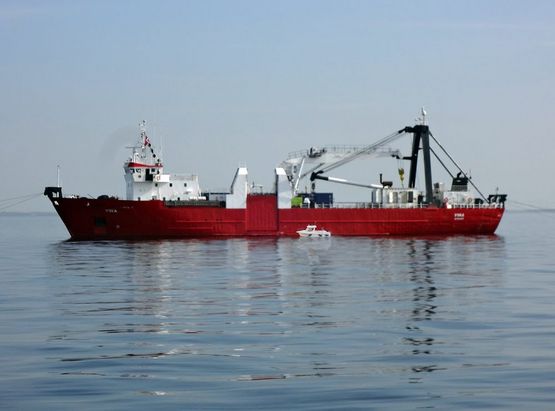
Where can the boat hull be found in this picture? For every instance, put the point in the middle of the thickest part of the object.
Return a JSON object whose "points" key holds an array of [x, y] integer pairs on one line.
{"points": [[110, 218]]}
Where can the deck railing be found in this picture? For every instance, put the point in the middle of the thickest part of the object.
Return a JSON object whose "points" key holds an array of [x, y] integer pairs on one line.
{"points": [[399, 205]]}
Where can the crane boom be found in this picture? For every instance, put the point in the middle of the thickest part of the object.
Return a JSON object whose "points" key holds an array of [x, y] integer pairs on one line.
{"points": [[370, 149], [317, 176], [302, 164]]}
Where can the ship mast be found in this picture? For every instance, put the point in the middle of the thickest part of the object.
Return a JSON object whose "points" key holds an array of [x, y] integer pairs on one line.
{"points": [[421, 134]]}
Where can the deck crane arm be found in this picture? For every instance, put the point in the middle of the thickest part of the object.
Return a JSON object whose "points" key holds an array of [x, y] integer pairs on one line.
{"points": [[370, 149], [317, 171], [317, 176]]}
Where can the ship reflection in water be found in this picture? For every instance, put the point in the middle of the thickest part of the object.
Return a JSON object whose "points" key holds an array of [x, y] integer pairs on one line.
{"points": [[369, 310], [425, 294]]}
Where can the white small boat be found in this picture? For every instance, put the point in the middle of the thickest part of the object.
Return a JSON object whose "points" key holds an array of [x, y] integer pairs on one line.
{"points": [[312, 231]]}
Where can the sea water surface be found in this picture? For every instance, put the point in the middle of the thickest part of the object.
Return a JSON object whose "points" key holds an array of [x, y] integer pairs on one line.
{"points": [[461, 322]]}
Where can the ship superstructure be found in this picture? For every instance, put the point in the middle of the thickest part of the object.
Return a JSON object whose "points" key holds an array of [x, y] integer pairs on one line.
{"points": [[145, 178]]}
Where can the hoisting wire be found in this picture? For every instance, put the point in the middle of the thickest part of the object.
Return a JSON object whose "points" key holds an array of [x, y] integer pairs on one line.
{"points": [[13, 201], [401, 171], [458, 167]]}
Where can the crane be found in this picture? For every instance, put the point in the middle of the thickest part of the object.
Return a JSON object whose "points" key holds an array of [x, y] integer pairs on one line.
{"points": [[315, 161]]}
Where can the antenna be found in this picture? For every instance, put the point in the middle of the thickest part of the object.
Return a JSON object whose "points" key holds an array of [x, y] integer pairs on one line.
{"points": [[58, 175], [142, 134], [423, 112], [161, 155]]}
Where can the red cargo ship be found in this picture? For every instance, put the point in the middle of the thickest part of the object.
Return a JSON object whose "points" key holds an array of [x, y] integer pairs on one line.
{"points": [[160, 205]]}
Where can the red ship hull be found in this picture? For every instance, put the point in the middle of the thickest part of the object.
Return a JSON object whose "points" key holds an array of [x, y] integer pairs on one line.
{"points": [[92, 219]]}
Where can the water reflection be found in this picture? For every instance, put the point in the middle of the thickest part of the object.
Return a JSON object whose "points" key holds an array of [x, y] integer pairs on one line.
{"points": [[282, 307], [432, 260], [421, 268]]}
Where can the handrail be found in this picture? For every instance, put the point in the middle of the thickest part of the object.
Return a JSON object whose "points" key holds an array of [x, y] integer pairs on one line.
{"points": [[339, 205]]}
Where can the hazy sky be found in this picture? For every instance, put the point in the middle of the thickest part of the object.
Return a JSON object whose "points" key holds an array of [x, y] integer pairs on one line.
{"points": [[227, 82]]}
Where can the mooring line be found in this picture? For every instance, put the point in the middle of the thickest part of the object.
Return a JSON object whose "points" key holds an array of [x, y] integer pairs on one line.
{"points": [[530, 206], [13, 201]]}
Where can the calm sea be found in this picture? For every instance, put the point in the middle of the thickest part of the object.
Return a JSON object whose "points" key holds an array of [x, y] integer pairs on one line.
{"points": [[311, 324]]}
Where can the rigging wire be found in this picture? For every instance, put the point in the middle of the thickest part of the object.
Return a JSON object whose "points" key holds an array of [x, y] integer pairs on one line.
{"points": [[441, 162], [459, 168]]}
